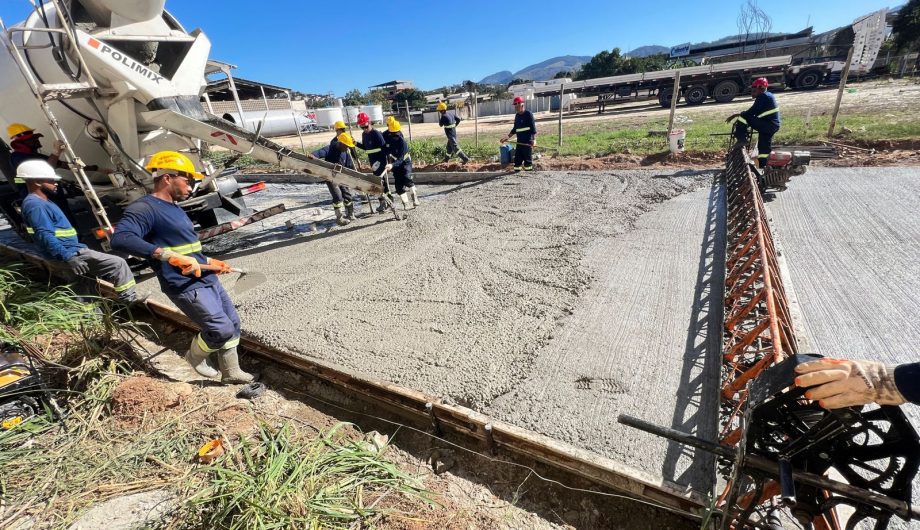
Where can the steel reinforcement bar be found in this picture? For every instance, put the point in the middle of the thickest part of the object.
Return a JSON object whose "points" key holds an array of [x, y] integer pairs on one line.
{"points": [[448, 421], [758, 328]]}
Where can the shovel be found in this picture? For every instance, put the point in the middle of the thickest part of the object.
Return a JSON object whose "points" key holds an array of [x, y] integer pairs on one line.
{"points": [[245, 282]]}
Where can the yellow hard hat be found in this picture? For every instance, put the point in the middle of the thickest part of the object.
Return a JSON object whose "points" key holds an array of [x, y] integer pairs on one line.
{"points": [[346, 139], [442, 106], [393, 124], [340, 125], [15, 129], [172, 162]]}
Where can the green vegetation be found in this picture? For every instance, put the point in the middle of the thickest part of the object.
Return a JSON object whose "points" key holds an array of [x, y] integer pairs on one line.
{"points": [[272, 476]]}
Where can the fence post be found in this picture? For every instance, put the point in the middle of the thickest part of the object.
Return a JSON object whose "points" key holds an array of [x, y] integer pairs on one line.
{"points": [[476, 117], [843, 82], [409, 120], [675, 95], [561, 99]]}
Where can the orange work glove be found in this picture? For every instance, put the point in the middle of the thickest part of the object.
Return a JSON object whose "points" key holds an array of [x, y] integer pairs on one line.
{"points": [[224, 266], [838, 383], [187, 264]]}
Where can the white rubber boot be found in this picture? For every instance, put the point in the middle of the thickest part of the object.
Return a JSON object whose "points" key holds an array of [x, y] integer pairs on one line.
{"points": [[340, 217], [404, 199], [198, 358], [350, 212], [414, 195], [230, 372]]}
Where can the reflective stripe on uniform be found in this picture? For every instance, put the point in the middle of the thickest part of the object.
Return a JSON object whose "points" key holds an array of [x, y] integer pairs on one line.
{"points": [[337, 205], [125, 286], [742, 120], [188, 248], [65, 232], [767, 113], [522, 129], [232, 343], [764, 156], [372, 151], [449, 126], [29, 230], [17, 180]]}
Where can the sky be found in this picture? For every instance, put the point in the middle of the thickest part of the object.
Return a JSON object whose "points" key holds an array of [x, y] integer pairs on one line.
{"points": [[321, 47]]}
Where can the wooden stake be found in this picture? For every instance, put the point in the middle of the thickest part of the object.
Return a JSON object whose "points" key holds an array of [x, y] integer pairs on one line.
{"points": [[843, 82], [561, 99], [675, 95]]}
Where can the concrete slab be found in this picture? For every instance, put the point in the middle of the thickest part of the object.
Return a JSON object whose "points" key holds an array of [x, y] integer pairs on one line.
{"points": [[851, 239]]}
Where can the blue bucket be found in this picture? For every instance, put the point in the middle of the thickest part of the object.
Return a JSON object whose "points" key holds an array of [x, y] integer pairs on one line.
{"points": [[506, 152]]}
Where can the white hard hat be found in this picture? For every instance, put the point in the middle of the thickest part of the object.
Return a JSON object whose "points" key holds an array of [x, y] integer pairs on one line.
{"points": [[36, 169]]}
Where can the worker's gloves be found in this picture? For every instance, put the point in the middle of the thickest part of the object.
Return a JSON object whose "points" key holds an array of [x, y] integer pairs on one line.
{"points": [[838, 383], [58, 147], [186, 264], [78, 266], [503, 140], [388, 167], [224, 267]]}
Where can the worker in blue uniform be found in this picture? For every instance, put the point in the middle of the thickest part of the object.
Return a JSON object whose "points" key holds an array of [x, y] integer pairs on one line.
{"points": [[57, 239], [156, 228], [374, 146], [838, 383], [25, 144], [400, 163], [344, 195], [763, 117], [449, 121], [338, 152], [525, 129]]}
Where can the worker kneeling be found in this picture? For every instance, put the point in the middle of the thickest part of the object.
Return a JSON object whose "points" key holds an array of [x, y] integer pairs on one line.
{"points": [[57, 238], [763, 117], [155, 227]]}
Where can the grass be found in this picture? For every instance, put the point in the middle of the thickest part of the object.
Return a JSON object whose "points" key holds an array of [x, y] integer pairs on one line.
{"points": [[56, 468]]}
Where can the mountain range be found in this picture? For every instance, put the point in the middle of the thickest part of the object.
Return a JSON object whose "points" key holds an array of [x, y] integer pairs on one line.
{"points": [[547, 69]]}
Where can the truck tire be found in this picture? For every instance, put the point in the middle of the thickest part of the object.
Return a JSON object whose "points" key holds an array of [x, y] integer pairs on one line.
{"points": [[809, 79], [664, 97], [725, 91], [696, 95]]}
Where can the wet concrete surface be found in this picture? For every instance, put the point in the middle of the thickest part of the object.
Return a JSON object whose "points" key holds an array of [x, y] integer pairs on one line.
{"points": [[851, 241], [553, 301]]}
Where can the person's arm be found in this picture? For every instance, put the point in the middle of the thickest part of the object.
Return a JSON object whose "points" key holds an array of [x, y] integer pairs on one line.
{"points": [[759, 106], [907, 379], [54, 159], [399, 153], [135, 223], [39, 221], [839, 383], [533, 129]]}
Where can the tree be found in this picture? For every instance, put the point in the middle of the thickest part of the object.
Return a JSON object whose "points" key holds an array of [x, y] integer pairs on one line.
{"points": [[377, 97], [353, 97], [753, 23], [906, 29], [415, 98], [517, 81], [562, 74]]}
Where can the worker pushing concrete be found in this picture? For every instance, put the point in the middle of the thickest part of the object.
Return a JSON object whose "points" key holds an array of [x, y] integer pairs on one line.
{"points": [[156, 228], [57, 239], [525, 128], [400, 163], [449, 121], [374, 145], [338, 152], [763, 117]]}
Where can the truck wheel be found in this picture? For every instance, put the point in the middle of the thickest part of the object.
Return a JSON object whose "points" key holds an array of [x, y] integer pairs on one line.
{"points": [[809, 79], [696, 95], [725, 91], [664, 97]]}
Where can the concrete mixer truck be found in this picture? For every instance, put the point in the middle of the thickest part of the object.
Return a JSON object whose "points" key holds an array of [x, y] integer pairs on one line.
{"points": [[116, 81]]}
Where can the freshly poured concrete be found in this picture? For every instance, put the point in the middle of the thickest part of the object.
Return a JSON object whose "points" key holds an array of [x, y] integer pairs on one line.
{"points": [[851, 241], [553, 301]]}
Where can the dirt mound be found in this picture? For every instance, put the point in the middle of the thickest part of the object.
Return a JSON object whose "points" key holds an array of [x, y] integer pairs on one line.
{"points": [[136, 396]]}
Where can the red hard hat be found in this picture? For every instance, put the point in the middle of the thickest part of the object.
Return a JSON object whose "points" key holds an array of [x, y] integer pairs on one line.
{"points": [[518, 99], [363, 118], [760, 82]]}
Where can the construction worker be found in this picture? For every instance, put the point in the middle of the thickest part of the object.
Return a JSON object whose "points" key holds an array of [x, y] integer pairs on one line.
{"points": [[838, 383], [25, 144], [400, 163], [374, 145], [57, 238], [338, 152], [156, 228], [449, 121], [526, 130], [763, 117]]}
